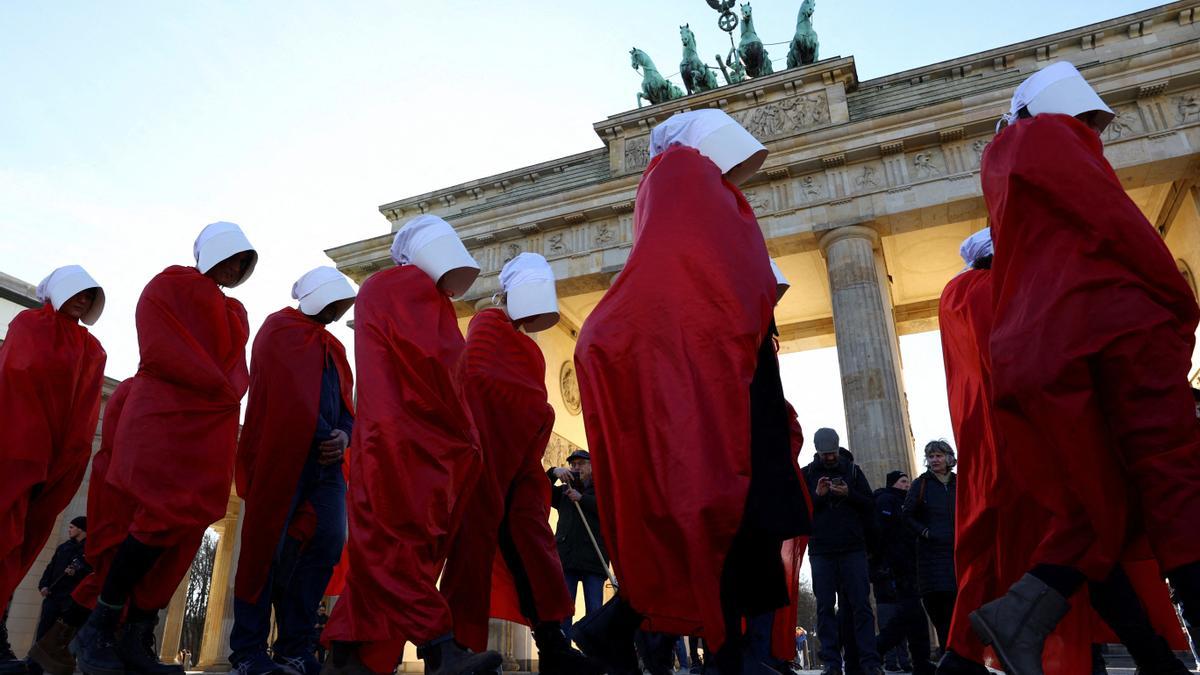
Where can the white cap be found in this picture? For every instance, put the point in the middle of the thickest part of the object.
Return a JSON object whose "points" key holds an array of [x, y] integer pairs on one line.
{"points": [[220, 241], [781, 282], [976, 246], [529, 283], [62, 285], [717, 136], [1057, 88], [321, 286], [431, 244]]}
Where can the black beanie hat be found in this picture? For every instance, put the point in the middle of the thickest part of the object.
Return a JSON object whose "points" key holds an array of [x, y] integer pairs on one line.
{"points": [[894, 476], [80, 522]]}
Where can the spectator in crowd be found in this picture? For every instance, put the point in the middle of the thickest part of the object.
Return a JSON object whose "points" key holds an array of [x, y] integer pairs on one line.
{"points": [[581, 565], [887, 604], [801, 646], [66, 569], [842, 509], [929, 512], [894, 576]]}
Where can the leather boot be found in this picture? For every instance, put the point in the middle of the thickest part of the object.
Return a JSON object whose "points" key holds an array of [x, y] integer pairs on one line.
{"points": [[607, 635], [1016, 626], [95, 645], [51, 651], [556, 656], [953, 664], [137, 649], [343, 660], [450, 658]]}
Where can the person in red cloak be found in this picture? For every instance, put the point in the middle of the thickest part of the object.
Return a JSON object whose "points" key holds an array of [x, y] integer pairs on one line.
{"points": [[1090, 351], [504, 562], [415, 459], [51, 371], [299, 421], [173, 454], [993, 517], [684, 407]]}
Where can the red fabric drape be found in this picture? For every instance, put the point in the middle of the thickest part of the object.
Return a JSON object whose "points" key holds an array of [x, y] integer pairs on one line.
{"points": [[177, 438], [1091, 347], [783, 630], [288, 358], [51, 372], [503, 377], [665, 363], [415, 455]]}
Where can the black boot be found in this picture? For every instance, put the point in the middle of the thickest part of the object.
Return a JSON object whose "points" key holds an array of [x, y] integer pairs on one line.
{"points": [[607, 635], [95, 645], [450, 658], [51, 651], [343, 660], [1016, 625], [137, 649], [556, 656]]}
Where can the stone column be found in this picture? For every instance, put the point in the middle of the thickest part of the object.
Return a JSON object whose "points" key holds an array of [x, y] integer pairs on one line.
{"points": [[868, 352], [172, 627], [214, 646]]}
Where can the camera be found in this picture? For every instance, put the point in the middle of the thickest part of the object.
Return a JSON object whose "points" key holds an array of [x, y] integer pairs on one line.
{"points": [[576, 482]]}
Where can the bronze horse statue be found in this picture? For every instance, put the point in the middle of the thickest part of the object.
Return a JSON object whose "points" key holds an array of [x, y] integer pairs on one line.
{"points": [[750, 48], [805, 47], [696, 75], [655, 88]]}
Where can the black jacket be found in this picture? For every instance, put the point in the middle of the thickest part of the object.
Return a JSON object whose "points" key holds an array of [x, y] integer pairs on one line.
{"points": [[575, 549], [894, 572], [55, 577], [840, 524], [929, 512]]}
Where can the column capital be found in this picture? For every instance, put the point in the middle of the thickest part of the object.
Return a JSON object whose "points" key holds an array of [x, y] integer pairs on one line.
{"points": [[847, 232]]}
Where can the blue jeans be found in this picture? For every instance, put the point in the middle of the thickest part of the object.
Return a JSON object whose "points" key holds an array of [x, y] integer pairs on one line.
{"points": [[298, 575], [593, 592], [842, 579]]}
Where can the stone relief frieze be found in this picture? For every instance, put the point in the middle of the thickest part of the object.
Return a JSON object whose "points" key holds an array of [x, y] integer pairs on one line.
{"points": [[782, 118], [977, 148], [867, 178], [511, 251], [759, 199], [604, 234], [1127, 122], [1187, 108], [637, 153], [556, 244], [811, 188], [926, 166], [569, 388]]}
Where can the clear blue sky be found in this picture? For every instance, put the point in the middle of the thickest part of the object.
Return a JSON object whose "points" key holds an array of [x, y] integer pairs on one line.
{"points": [[126, 126]]}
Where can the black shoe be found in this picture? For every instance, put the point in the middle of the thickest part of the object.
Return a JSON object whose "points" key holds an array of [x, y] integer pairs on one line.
{"points": [[606, 636], [556, 656], [51, 653], [95, 645], [450, 658], [137, 649], [953, 664]]}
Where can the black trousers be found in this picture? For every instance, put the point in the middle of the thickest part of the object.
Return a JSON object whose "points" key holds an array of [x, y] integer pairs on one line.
{"points": [[939, 605]]}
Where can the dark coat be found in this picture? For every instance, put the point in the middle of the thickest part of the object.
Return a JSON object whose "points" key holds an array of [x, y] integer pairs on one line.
{"points": [[55, 577], [575, 549], [929, 512], [840, 524], [894, 573]]}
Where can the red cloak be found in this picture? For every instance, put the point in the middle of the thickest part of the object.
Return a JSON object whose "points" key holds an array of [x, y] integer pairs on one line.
{"points": [[415, 453], [1091, 348], [665, 364], [783, 630], [51, 371], [288, 358], [503, 377], [174, 450]]}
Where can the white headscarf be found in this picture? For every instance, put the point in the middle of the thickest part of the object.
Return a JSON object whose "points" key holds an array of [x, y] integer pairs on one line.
{"points": [[220, 241], [529, 283], [320, 287], [432, 245], [1057, 88], [63, 283], [781, 283], [976, 246], [715, 135]]}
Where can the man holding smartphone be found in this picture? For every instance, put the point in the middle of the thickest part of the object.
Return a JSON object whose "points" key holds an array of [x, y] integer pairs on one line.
{"points": [[842, 508]]}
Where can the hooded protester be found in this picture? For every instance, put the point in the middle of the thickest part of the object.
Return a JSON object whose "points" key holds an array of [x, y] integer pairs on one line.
{"points": [[684, 342], [173, 454], [51, 371], [504, 557], [413, 430], [299, 419], [1090, 350], [993, 542]]}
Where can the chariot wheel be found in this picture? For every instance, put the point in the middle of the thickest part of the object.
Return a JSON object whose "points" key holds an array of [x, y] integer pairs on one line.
{"points": [[728, 21]]}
